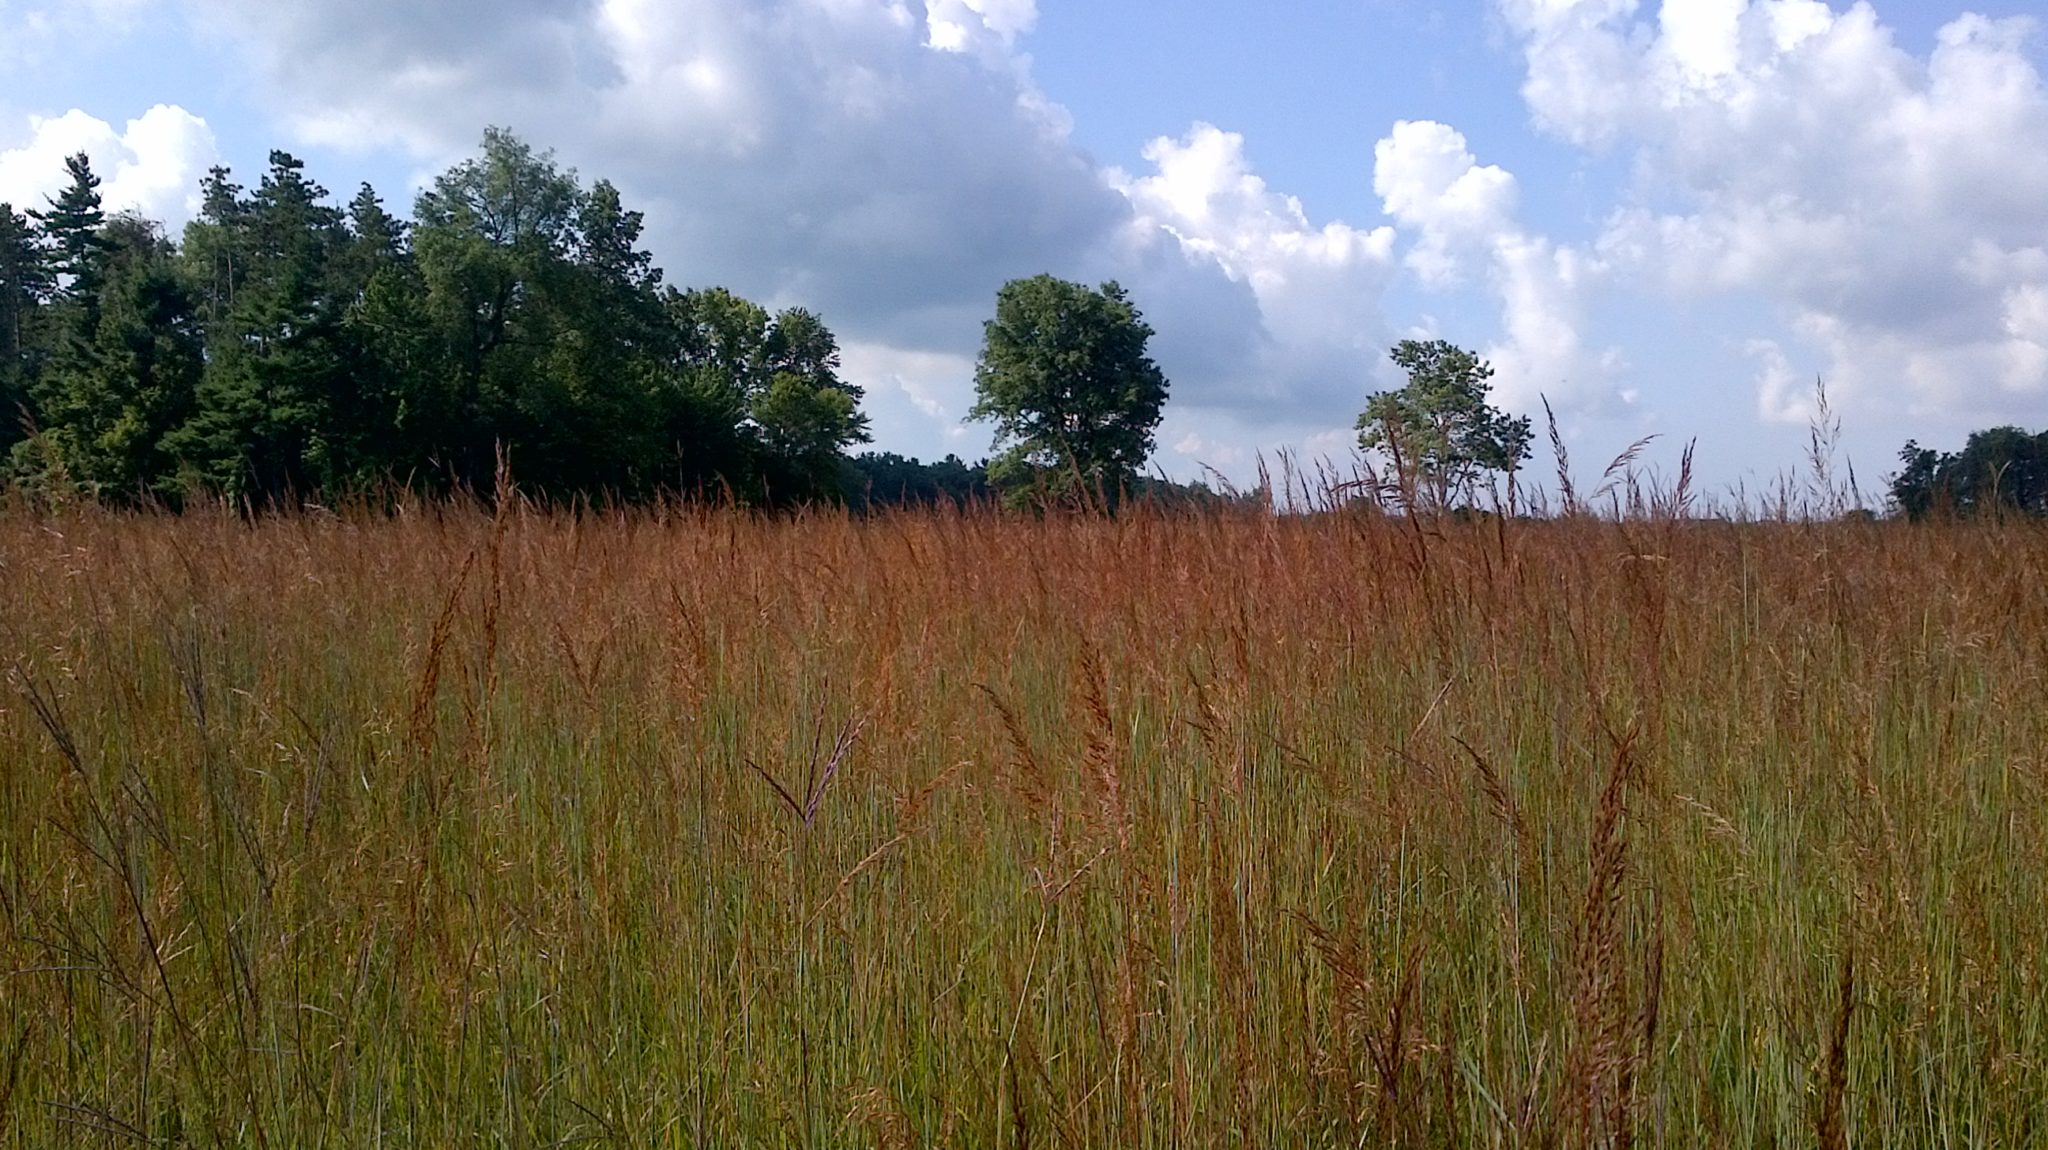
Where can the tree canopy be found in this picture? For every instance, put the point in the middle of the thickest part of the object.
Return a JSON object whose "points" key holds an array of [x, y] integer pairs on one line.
{"points": [[288, 347], [1439, 429], [1064, 377], [1998, 469]]}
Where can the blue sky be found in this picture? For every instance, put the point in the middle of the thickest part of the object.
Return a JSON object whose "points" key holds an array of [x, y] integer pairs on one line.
{"points": [[1666, 218]]}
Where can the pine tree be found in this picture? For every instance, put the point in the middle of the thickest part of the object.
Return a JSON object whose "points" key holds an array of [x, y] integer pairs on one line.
{"points": [[25, 287], [216, 244], [114, 393], [72, 229], [274, 357]]}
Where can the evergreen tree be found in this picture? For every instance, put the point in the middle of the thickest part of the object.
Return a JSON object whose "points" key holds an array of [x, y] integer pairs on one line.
{"points": [[71, 228], [216, 244], [114, 394], [1440, 430], [274, 363], [384, 426], [25, 287], [294, 349]]}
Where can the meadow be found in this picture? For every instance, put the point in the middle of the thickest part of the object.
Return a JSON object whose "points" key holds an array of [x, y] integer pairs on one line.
{"points": [[678, 827]]}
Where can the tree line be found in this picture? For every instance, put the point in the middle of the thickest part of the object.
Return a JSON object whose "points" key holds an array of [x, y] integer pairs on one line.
{"points": [[287, 348], [1999, 470]]}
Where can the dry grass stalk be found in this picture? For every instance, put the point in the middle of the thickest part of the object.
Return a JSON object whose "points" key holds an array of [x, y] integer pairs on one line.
{"points": [[887, 1123], [1830, 1125], [1103, 753], [1505, 809], [1028, 777], [1599, 1066], [421, 722]]}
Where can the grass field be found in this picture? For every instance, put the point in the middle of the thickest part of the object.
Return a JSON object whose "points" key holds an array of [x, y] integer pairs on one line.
{"points": [[525, 829]]}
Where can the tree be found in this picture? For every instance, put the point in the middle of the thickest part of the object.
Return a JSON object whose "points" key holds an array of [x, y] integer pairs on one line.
{"points": [[71, 227], [2001, 468], [757, 403], [494, 238], [276, 370], [292, 348], [1064, 377], [115, 392], [805, 416], [886, 479], [25, 286], [1440, 430]]}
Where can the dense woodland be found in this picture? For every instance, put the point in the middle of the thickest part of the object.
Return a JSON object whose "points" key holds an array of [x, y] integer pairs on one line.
{"points": [[284, 348]]}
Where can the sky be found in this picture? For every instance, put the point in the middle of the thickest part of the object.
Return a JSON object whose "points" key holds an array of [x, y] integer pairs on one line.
{"points": [[1663, 219]]}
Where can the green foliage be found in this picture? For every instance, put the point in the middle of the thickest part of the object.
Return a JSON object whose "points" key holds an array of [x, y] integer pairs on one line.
{"points": [[289, 349], [778, 378], [2002, 468], [71, 228], [123, 381], [1440, 430], [26, 283], [1064, 377], [886, 479], [275, 377]]}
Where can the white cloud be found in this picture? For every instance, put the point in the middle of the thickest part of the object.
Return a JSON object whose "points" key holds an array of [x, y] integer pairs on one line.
{"points": [[152, 167], [939, 384], [1885, 203], [1226, 457], [914, 396], [1427, 179], [1464, 217], [982, 27], [1310, 295], [887, 162], [818, 151]]}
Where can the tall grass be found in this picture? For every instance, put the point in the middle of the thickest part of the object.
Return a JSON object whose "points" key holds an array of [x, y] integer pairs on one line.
{"points": [[687, 828]]}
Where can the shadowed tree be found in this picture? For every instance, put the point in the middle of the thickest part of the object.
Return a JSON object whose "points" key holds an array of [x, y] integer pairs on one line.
{"points": [[116, 391], [71, 229], [25, 286], [488, 234], [1998, 469], [759, 402], [276, 371]]}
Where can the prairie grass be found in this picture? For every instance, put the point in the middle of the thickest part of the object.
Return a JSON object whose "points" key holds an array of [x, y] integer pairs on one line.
{"points": [[688, 828]]}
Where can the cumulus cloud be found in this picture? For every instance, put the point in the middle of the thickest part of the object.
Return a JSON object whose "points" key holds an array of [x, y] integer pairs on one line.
{"points": [[985, 27], [1887, 203], [1427, 178], [1312, 294], [1463, 217], [864, 158], [153, 166], [888, 162]]}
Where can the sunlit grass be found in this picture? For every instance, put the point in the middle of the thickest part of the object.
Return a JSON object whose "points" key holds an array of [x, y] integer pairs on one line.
{"points": [[692, 828]]}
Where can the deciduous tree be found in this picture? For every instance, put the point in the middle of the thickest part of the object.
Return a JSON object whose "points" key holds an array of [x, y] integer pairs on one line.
{"points": [[1440, 431], [1064, 377]]}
